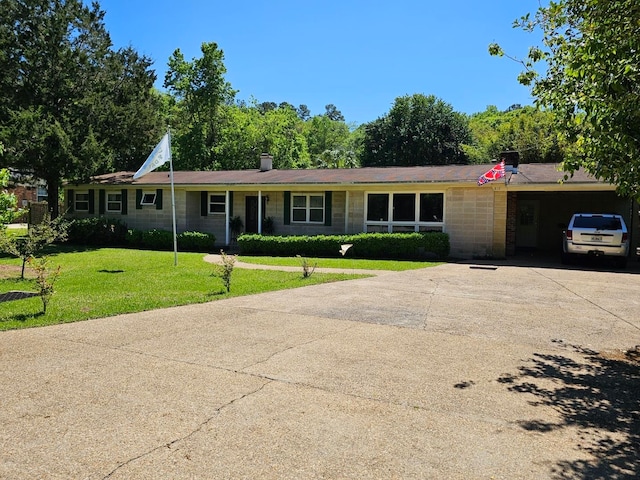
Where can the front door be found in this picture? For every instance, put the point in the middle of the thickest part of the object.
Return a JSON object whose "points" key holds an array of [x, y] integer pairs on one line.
{"points": [[527, 223], [251, 213]]}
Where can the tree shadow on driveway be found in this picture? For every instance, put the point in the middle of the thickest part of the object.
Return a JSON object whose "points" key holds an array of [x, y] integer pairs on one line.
{"points": [[600, 395]]}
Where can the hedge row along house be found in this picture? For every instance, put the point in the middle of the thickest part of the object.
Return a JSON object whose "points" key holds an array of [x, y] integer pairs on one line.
{"points": [[527, 209]]}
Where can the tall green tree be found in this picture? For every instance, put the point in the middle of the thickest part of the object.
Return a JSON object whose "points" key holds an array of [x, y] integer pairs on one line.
{"points": [[71, 106], [323, 133], [130, 109], [283, 138], [303, 112], [332, 112], [9, 210], [201, 90], [328, 138], [418, 130], [265, 107], [528, 130], [240, 138], [587, 70], [247, 131]]}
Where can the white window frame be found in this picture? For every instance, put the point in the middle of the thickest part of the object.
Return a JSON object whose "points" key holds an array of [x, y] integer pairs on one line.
{"points": [[109, 202], [223, 203], [435, 222], [76, 201], [42, 194], [390, 225], [146, 201], [307, 207]]}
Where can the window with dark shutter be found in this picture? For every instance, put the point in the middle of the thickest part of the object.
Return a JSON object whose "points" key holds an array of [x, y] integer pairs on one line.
{"points": [[204, 204], [92, 201], [101, 201], [287, 208], [217, 203], [308, 208], [81, 201], [124, 196], [114, 202], [148, 198]]}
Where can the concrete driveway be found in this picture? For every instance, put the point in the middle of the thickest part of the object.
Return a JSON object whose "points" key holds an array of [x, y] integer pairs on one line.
{"points": [[454, 372]]}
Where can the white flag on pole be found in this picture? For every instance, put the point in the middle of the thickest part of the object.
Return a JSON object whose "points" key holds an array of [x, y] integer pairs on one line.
{"points": [[160, 155]]}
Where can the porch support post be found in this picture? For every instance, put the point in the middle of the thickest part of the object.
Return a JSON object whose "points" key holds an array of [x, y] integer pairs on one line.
{"points": [[227, 209], [346, 212], [260, 212]]}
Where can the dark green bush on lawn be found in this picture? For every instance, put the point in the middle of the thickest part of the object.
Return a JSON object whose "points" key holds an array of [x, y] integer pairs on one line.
{"points": [[196, 242], [134, 238], [163, 240], [157, 239], [98, 231], [365, 245]]}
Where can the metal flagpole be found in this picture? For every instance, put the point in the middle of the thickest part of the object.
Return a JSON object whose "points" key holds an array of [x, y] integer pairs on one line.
{"points": [[173, 203]]}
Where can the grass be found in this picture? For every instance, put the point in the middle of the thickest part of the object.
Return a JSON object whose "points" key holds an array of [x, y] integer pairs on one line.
{"points": [[346, 263], [17, 231], [105, 282]]}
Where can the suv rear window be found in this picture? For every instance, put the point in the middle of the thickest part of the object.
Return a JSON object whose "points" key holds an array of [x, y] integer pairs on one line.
{"points": [[599, 223]]}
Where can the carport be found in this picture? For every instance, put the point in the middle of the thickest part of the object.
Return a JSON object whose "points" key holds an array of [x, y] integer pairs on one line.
{"points": [[538, 209]]}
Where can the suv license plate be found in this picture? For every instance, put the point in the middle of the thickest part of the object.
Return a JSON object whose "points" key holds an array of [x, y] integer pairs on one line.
{"points": [[596, 238]]}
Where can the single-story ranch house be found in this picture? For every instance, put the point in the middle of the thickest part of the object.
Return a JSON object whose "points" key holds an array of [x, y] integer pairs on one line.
{"points": [[525, 210]]}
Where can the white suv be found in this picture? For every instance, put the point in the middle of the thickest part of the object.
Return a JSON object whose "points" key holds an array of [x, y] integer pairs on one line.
{"points": [[596, 235]]}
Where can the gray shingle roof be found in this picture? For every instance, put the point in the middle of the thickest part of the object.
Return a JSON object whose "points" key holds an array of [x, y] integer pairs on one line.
{"points": [[540, 173]]}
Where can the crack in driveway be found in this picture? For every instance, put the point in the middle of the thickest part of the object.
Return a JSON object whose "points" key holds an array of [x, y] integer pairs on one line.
{"points": [[188, 435], [291, 347], [613, 314]]}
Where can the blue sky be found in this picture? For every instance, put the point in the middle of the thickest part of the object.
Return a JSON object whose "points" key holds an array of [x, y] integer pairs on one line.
{"points": [[358, 55]]}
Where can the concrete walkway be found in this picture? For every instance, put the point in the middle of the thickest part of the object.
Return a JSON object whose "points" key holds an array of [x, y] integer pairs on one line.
{"points": [[215, 258], [455, 372]]}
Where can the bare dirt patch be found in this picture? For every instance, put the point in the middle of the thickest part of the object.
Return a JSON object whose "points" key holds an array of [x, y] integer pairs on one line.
{"points": [[13, 272]]}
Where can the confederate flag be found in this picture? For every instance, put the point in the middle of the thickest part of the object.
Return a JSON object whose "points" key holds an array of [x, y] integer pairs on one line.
{"points": [[494, 174]]}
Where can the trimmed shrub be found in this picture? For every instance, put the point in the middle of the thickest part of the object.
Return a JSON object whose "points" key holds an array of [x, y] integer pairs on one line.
{"points": [[134, 238], [196, 241], [365, 245], [157, 239], [99, 231], [163, 240]]}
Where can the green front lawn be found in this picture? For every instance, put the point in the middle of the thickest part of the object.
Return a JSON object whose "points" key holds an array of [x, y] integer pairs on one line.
{"points": [[109, 281], [17, 231]]}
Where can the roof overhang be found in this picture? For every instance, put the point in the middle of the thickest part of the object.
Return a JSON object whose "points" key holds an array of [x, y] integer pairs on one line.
{"points": [[530, 177]]}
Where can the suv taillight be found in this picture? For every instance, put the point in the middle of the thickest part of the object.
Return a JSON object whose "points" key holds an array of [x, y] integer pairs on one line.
{"points": [[625, 236], [569, 235]]}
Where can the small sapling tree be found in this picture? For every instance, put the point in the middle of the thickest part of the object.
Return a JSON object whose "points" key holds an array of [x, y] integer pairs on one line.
{"points": [[45, 278], [225, 269], [307, 267], [38, 237]]}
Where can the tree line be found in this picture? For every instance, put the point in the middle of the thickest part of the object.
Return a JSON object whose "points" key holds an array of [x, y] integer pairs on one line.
{"points": [[73, 106]]}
